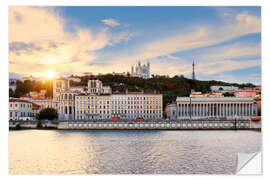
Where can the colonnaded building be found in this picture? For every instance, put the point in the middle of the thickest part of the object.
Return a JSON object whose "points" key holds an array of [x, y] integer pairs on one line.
{"points": [[216, 107]]}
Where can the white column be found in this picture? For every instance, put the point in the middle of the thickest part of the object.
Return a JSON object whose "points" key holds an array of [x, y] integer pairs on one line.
{"points": [[184, 110], [240, 109], [219, 109], [230, 109], [246, 109], [233, 109], [237, 109]]}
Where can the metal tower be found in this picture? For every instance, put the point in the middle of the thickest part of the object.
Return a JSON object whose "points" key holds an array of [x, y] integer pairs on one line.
{"points": [[193, 71]]}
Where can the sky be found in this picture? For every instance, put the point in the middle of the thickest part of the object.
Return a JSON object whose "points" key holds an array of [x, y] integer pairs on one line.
{"points": [[224, 42]]}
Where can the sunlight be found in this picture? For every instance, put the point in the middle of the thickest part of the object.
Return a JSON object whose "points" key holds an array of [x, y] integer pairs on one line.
{"points": [[50, 74]]}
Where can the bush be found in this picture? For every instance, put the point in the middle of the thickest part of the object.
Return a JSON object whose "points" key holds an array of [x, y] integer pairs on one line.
{"points": [[48, 113], [17, 127]]}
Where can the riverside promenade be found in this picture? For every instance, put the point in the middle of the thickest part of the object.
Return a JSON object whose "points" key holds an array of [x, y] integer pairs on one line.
{"points": [[156, 124]]}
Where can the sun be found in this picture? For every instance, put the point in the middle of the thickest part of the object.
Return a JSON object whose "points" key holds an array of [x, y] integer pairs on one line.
{"points": [[50, 74]]}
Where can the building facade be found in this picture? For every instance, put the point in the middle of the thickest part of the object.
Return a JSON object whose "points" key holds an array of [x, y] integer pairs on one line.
{"points": [[142, 71], [246, 93], [219, 107], [92, 107], [224, 89], [130, 105], [20, 109], [95, 86]]}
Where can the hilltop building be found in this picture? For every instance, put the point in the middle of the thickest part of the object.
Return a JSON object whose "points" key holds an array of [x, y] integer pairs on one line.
{"points": [[142, 71], [224, 89]]}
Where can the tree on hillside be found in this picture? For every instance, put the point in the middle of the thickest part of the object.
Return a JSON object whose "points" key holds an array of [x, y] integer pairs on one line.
{"points": [[11, 93]]}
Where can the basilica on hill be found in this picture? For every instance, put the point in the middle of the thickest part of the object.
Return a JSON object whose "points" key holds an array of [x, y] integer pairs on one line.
{"points": [[142, 71]]}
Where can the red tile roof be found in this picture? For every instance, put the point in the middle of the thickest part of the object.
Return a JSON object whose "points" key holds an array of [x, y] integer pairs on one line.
{"points": [[34, 105]]}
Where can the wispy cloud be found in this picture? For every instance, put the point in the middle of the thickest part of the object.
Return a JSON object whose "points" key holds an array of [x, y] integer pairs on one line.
{"points": [[111, 22], [37, 36], [38, 42]]}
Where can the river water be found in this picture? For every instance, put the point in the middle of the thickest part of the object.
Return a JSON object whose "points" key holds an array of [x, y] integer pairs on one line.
{"points": [[128, 152]]}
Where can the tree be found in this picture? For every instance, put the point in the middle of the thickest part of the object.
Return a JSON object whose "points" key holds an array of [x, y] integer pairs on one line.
{"points": [[11, 93], [227, 94], [48, 113]]}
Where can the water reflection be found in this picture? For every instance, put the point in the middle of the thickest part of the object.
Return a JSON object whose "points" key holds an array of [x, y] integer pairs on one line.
{"points": [[128, 152]]}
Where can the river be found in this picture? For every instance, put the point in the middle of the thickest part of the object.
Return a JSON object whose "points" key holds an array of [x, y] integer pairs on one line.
{"points": [[128, 152]]}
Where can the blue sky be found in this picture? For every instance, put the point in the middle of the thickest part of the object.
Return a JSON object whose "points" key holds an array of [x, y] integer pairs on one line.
{"points": [[225, 42]]}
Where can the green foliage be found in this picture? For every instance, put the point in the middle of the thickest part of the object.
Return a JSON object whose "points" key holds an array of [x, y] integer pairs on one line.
{"points": [[48, 113], [17, 127], [227, 94], [11, 93], [27, 86], [169, 87]]}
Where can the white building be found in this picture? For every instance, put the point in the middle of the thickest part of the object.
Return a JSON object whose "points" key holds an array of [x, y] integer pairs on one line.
{"points": [[171, 111], [215, 107], [224, 89], [20, 109], [142, 71], [46, 103], [95, 86], [65, 96]]}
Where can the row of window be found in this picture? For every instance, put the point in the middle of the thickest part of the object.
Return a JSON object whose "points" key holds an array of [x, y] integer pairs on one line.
{"points": [[119, 98], [118, 102], [20, 114], [21, 105], [119, 112], [81, 117], [119, 107]]}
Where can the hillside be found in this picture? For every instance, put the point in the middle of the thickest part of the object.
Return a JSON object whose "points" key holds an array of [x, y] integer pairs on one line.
{"points": [[169, 87]]}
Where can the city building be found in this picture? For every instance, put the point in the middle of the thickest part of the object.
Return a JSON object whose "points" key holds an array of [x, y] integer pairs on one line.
{"points": [[38, 95], [245, 93], [92, 107], [20, 109], [120, 74], [46, 103], [95, 86], [65, 96], [129, 105], [218, 107], [200, 94], [13, 87], [224, 89], [88, 74], [142, 71], [171, 111]]}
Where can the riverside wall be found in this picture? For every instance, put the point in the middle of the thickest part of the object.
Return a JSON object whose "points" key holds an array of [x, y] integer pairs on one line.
{"points": [[156, 124]]}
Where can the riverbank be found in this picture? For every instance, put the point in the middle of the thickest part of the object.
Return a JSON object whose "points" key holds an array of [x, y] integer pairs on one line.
{"points": [[142, 125]]}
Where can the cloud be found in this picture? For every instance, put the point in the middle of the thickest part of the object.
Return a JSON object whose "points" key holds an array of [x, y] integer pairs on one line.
{"points": [[38, 41], [21, 47], [193, 38], [228, 51], [111, 22]]}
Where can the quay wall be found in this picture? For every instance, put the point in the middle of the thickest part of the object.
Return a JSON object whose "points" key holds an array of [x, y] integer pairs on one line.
{"points": [[156, 124]]}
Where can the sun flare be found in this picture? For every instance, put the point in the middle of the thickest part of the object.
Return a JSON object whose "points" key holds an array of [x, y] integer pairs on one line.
{"points": [[50, 74]]}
